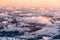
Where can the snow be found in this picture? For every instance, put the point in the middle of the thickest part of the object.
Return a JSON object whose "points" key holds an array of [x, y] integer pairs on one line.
{"points": [[31, 19]]}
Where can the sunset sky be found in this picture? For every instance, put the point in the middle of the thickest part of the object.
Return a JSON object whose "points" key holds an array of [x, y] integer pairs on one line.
{"points": [[30, 3]]}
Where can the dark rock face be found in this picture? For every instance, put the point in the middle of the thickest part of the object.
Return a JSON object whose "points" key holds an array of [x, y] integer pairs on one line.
{"points": [[1, 28], [14, 21], [1, 19], [56, 19], [56, 37], [36, 24], [10, 33], [35, 29]]}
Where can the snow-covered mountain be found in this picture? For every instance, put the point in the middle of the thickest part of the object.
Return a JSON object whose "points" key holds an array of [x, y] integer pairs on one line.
{"points": [[30, 23]]}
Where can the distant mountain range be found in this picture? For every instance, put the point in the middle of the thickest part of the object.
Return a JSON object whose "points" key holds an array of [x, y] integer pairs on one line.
{"points": [[30, 22]]}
